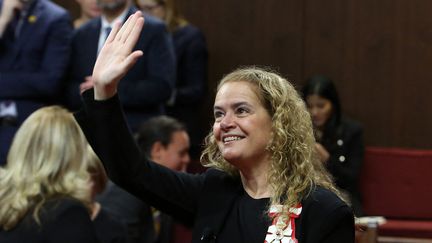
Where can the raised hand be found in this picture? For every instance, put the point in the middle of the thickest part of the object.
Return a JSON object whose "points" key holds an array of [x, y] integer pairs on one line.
{"points": [[116, 56], [87, 84]]}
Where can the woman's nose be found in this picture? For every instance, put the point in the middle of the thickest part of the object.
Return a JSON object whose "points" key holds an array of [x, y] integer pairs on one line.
{"points": [[227, 122]]}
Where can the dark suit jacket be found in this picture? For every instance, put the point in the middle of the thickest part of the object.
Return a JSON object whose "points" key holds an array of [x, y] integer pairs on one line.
{"points": [[109, 229], [146, 87], [32, 66], [346, 148], [191, 83], [202, 200], [132, 211], [63, 220]]}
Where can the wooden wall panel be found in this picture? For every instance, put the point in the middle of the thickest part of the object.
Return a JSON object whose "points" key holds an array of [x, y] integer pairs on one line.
{"points": [[70, 5], [250, 33], [379, 63]]}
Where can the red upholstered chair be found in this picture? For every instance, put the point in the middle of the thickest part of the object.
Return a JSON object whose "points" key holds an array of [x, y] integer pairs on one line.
{"points": [[396, 183]]}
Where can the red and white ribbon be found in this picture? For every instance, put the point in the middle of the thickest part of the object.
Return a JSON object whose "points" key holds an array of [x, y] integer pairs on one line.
{"points": [[282, 229]]}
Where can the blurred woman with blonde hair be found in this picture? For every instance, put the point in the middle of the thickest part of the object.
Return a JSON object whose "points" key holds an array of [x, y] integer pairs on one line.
{"points": [[44, 187]]}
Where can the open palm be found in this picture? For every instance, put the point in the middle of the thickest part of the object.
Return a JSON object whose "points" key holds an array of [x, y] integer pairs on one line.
{"points": [[116, 56]]}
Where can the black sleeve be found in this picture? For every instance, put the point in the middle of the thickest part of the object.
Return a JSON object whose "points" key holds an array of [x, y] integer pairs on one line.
{"points": [[104, 125]]}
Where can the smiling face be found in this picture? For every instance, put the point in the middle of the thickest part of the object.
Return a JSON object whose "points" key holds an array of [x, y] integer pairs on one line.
{"points": [[242, 127]]}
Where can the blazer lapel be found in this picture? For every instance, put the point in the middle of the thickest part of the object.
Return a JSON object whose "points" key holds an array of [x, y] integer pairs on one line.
{"points": [[31, 19]]}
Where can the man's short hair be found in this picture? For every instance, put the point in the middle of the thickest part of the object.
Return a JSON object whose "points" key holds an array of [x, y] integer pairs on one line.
{"points": [[157, 129]]}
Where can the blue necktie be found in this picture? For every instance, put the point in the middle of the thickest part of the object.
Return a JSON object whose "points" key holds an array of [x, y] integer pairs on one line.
{"points": [[107, 31]]}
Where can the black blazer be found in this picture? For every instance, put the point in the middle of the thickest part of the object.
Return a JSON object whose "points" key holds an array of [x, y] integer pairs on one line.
{"points": [[62, 220], [191, 83], [346, 147], [32, 66], [146, 87], [202, 200]]}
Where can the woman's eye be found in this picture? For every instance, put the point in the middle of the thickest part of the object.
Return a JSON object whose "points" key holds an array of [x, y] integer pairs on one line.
{"points": [[242, 110], [218, 114]]}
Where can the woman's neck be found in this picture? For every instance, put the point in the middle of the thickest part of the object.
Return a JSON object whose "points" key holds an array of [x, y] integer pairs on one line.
{"points": [[255, 181]]}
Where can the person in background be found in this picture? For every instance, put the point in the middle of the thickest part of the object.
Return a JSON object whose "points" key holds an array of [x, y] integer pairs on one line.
{"points": [[34, 53], [88, 10], [108, 228], [165, 141], [45, 186], [339, 140], [264, 184], [148, 85], [192, 58], [145, 90]]}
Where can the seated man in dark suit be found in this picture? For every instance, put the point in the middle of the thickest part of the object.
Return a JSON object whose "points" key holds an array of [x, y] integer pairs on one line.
{"points": [[148, 85], [34, 51], [165, 141]]}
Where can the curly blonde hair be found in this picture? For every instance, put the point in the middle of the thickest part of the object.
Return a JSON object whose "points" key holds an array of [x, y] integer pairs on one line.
{"points": [[295, 169], [46, 161]]}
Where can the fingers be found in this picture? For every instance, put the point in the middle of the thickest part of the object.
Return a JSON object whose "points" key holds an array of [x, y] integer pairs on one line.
{"points": [[113, 32], [125, 25], [134, 34], [130, 30], [132, 59], [128, 26], [85, 86]]}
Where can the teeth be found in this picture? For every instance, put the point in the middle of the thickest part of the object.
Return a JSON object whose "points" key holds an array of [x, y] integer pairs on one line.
{"points": [[232, 138]]}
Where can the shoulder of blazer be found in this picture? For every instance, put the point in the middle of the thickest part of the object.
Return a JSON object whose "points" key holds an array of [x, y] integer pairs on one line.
{"points": [[322, 198], [323, 213], [50, 10], [351, 126], [322, 205]]}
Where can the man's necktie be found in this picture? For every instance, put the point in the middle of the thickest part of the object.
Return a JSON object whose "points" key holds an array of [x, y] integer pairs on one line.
{"points": [[107, 31]]}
